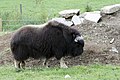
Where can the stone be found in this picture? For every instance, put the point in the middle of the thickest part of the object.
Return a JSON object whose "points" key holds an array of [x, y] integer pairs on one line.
{"points": [[114, 50], [67, 76], [69, 23], [112, 40], [64, 21], [93, 16], [69, 13], [110, 9], [59, 19], [77, 20]]}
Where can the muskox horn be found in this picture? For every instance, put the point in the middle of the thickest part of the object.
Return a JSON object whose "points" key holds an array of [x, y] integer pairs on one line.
{"points": [[78, 38]]}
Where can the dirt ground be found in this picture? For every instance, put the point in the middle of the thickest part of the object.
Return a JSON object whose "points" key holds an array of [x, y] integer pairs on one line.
{"points": [[98, 48]]}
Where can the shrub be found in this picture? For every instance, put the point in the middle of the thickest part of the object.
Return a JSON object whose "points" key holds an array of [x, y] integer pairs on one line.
{"points": [[88, 8]]}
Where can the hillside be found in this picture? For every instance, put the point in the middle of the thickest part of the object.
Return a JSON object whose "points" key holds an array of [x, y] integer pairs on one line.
{"points": [[97, 44]]}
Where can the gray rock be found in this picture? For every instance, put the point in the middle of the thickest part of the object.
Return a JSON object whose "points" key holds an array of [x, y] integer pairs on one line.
{"points": [[59, 19], [69, 13], [112, 40], [77, 20], [67, 76], [110, 9], [114, 50], [62, 20], [93, 16]]}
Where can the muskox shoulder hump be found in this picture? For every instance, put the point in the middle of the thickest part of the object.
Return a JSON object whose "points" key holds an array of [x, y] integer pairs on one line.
{"points": [[54, 23]]}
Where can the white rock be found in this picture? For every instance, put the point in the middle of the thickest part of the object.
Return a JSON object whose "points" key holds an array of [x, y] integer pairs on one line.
{"points": [[85, 13], [62, 20], [59, 19], [69, 23], [112, 40], [77, 20], [93, 16], [114, 50], [110, 9], [67, 76], [69, 13]]}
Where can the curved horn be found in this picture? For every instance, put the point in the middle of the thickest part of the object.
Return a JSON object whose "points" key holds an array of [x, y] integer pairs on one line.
{"points": [[78, 38]]}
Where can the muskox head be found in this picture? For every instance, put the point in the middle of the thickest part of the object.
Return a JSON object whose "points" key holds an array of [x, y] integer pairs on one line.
{"points": [[77, 44]]}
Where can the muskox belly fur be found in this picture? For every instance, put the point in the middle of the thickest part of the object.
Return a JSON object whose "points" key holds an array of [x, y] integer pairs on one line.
{"points": [[53, 39]]}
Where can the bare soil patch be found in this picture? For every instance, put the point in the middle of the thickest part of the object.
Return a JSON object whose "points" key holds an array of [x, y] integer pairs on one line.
{"points": [[97, 38]]}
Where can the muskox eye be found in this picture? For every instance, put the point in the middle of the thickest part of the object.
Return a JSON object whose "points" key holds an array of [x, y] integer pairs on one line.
{"points": [[74, 35]]}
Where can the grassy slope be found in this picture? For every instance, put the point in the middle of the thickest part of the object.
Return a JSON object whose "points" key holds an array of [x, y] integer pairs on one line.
{"points": [[94, 72], [56, 5], [43, 11], [53, 6]]}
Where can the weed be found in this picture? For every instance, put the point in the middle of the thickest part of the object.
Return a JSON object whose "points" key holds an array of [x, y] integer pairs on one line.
{"points": [[88, 8]]}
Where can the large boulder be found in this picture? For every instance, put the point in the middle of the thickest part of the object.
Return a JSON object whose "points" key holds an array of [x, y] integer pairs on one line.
{"points": [[77, 20], [63, 20], [110, 9], [92, 16], [69, 13]]}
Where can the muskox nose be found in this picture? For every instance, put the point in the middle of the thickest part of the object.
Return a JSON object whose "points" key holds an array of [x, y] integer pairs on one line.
{"points": [[81, 42]]}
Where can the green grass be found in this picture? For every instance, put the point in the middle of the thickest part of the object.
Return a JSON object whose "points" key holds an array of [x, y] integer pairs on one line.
{"points": [[39, 11], [92, 72]]}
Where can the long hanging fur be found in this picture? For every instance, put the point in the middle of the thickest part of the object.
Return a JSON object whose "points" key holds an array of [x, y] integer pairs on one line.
{"points": [[48, 40]]}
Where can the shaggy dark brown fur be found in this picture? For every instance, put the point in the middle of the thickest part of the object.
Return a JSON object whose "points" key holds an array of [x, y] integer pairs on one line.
{"points": [[53, 39]]}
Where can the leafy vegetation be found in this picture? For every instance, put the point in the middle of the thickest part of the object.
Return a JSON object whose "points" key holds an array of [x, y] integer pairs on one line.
{"points": [[92, 72], [39, 11]]}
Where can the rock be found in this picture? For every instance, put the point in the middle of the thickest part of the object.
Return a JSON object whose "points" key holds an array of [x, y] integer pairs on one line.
{"points": [[83, 15], [67, 76], [62, 20], [76, 20], [112, 40], [114, 50], [59, 19], [110, 9], [69, 13], [93, 16], [69, 23]]}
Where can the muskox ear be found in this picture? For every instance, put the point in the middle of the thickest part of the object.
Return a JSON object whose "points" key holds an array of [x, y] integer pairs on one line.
{"points": [[78, 38]]}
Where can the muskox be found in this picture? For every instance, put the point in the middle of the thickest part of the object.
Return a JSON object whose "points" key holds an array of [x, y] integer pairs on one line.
{"points": [[53, 39]]}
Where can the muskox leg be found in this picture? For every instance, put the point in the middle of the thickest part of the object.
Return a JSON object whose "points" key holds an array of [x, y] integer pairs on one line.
{"points": [[62, 63], [45, 62], [17, 65], [22, 64]]}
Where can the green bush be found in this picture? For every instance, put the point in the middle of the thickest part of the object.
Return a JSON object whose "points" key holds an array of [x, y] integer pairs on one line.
{"points": [[88, 8]]}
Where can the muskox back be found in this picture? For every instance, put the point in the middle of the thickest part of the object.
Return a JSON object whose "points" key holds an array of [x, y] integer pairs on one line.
{"points": [[46, 41]]}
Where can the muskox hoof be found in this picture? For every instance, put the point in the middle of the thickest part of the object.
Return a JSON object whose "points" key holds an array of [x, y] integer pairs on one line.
{"points": [[64, 66], [62, 63], [18, 70], [47, 66]]}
